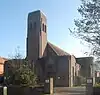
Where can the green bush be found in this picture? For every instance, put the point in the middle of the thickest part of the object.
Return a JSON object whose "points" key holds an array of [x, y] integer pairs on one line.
{"points": [[22, 76], [97, 85]]}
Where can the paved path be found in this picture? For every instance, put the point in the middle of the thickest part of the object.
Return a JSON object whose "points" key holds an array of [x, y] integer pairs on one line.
{"points": [[70, 91]]}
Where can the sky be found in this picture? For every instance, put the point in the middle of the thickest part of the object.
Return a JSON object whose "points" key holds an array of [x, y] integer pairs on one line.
{"points": [[60, 16]]}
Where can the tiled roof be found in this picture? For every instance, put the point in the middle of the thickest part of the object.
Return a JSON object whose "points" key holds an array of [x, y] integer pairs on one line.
{"points": [[2, 60], [57, 50]]}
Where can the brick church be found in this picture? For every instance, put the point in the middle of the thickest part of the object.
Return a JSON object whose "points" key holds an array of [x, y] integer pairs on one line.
{"points": [[47, 57]]}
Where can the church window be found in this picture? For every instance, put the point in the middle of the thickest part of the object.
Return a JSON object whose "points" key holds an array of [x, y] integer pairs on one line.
{"points": [[45, 28]]}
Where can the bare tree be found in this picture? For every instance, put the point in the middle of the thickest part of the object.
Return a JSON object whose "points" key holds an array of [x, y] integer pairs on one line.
{"points": [[88, 26]]}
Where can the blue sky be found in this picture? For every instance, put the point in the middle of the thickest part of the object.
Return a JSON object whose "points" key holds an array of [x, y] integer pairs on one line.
{"points": [[60, 15]]}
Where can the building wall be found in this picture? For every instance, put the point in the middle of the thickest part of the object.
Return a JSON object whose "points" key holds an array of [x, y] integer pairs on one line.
{"points": [[72, 64], [62, 71], [43, 35], [50, 52], [1, 68], [77, 69], [86, 66], [36, 35], [58, 67], [40, 69]]}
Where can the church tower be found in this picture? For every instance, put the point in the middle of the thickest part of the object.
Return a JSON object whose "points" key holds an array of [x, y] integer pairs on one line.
{"points": [[36, 35]]}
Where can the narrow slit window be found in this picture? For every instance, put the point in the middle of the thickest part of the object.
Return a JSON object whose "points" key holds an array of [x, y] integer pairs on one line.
{"points": [[45, 28]]}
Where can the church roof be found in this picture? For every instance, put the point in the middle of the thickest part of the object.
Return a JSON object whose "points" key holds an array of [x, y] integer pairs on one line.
{"points": [[57, 50]]}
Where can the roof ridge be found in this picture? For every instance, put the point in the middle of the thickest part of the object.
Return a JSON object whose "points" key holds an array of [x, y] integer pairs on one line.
{"points": [[58, 50]]}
